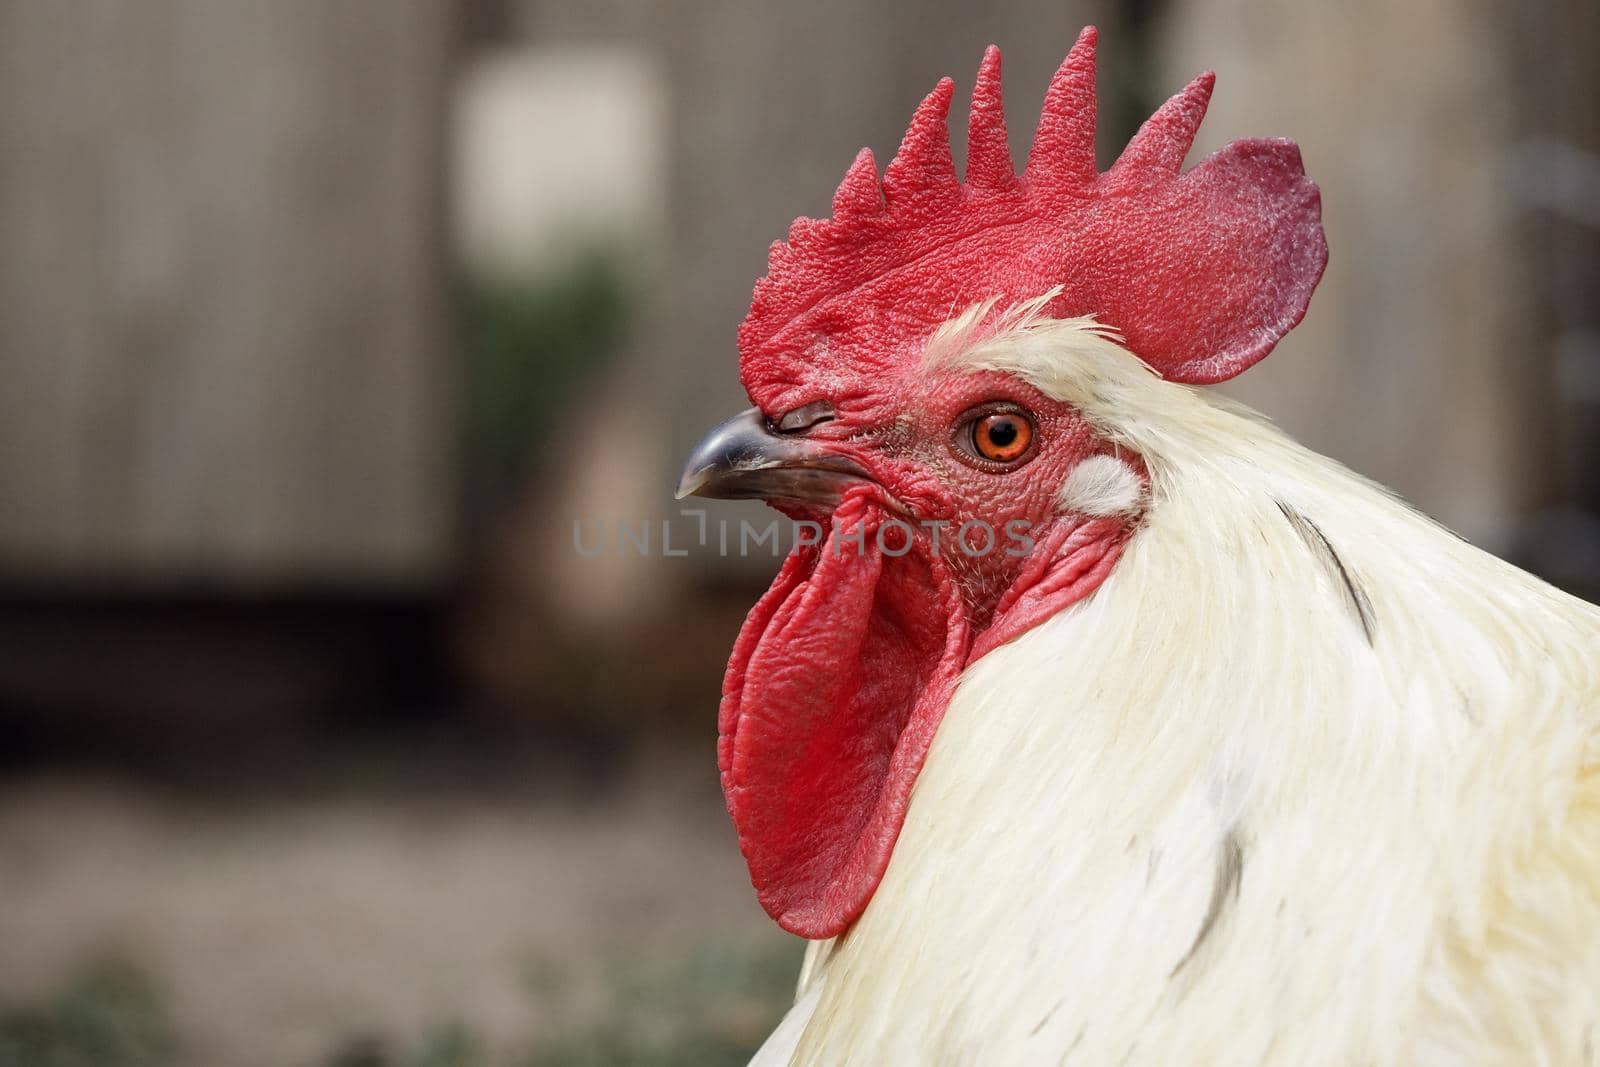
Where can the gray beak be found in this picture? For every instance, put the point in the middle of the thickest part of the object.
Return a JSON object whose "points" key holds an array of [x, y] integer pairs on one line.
{"points": [[742, 459]]}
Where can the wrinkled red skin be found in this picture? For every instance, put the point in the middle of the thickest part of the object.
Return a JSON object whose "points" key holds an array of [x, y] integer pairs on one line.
{"points": [[843, 670]]}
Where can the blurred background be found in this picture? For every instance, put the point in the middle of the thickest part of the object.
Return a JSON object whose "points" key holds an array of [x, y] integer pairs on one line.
{"points": [[322, 323]]}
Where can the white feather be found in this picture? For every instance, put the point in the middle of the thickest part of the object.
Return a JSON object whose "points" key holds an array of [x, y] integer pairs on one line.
{"points": [[1415, 819]]}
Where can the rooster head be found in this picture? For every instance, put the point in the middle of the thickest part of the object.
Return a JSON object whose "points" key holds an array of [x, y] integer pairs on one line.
{"points": [[958, 506]]}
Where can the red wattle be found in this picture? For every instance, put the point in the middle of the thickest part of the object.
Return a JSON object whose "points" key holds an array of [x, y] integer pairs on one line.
{"points": [[836, 685], [1066, 567]]}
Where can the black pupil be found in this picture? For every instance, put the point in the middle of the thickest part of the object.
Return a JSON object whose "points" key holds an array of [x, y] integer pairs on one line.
{"points": [[1002, 432]]}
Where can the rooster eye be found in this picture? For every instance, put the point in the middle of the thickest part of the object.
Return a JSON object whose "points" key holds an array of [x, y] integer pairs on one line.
{"points": [[1001, 437], [995, 435]]}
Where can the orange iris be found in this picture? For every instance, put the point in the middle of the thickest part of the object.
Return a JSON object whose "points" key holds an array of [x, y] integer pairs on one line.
{"points": [[1002, 436]]}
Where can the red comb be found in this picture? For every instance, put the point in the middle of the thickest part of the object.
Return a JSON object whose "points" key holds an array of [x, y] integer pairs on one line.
{"points": [[1202, 271]]}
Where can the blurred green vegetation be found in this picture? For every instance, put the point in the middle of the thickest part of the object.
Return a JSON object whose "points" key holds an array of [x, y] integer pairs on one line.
{"points": [[708, 1006], [111, 1015], [529, 342]]}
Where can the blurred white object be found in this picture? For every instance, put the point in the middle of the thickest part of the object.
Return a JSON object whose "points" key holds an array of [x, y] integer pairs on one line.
{"points": [[556, 150]]}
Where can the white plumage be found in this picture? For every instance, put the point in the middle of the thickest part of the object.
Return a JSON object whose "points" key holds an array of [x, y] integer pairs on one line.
{"points": [[1308, 780]]}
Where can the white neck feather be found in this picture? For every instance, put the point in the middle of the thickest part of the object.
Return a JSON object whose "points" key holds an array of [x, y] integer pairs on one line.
{"points": [[1256, 800]]}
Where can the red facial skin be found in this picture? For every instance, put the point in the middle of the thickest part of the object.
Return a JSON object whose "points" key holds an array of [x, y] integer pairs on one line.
{"points": [[843, 670]]}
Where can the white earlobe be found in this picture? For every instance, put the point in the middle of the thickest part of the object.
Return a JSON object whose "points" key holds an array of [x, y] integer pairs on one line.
{"points": [[1101, 486]]}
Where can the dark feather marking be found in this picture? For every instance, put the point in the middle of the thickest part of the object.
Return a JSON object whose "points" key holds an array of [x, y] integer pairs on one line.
{"points": [[1319, 544], [1040, 1024], [1230, 871], [1075, 1043]]}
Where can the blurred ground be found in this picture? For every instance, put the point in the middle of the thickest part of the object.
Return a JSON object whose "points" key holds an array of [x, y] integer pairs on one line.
{"points": [[387, 907]]}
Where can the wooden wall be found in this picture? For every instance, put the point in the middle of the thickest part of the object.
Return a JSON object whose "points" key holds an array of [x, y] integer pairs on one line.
{"points": [[1414, 365], [222, 350]]}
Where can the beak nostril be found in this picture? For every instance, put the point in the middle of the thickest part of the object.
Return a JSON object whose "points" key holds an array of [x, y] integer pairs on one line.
{"points": [[803, 418]]}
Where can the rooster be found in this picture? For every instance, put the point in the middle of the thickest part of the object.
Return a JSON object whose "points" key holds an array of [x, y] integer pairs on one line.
{"points": [[1104, 724]]}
